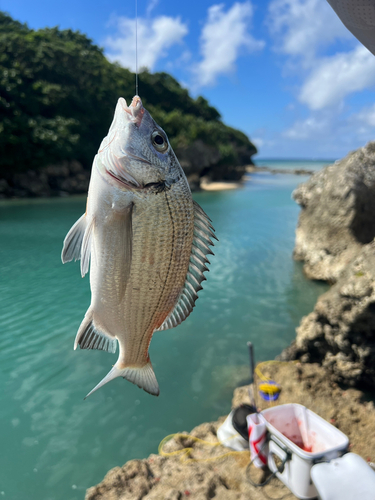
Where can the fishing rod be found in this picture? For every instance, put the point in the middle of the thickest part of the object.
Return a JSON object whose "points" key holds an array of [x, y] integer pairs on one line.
{"points": [[252, 389], [136, 47]]}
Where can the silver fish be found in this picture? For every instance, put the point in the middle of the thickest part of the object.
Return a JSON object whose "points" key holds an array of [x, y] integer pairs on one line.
{"points": [[146, 240]]}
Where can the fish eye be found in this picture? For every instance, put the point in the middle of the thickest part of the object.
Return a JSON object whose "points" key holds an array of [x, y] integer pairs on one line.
{"points": [[159, 142]]}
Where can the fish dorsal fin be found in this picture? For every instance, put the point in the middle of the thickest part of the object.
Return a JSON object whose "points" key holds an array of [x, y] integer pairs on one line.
{"points": [[203, 232], [73, 241]]}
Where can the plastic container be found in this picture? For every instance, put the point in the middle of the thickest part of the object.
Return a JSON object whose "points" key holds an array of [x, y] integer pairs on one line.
{"points": [[345, 478], [308, 438]]}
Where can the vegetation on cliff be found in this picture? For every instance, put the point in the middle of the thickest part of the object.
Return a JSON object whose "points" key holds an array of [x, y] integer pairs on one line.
{"points": [[58, 93]]}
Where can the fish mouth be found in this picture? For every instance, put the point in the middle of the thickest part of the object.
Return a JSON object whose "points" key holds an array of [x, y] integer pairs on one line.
{"points": [[135, 110], [116, 151]]}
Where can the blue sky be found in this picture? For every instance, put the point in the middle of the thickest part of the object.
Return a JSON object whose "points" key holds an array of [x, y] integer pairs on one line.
{"points": [[286, 72]]}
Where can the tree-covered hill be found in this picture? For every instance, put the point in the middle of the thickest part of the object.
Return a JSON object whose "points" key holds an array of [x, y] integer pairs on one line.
{"points": [[57, 98]]}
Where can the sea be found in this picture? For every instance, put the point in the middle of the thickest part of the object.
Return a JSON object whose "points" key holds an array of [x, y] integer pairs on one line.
{"points": [[55, 444]]}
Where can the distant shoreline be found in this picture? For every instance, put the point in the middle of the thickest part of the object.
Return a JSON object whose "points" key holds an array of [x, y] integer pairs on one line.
{"points": [[34, 185], [250, 169]]}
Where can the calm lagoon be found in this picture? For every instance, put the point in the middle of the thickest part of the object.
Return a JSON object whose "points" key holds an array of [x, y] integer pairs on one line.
{"points": [[53, 444]]}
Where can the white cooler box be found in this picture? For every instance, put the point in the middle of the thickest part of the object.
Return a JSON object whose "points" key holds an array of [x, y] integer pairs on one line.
{"points": [[308, 438]]}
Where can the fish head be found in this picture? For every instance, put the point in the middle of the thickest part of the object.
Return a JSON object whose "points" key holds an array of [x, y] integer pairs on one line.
{"points": [[136, 152]]}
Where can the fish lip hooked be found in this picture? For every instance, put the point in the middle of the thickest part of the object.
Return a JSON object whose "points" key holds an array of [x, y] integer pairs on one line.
{"points": [[135, 110]]}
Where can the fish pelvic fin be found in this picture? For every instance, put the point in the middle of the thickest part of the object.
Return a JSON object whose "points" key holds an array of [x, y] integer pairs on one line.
{"points": [[144, 377], [90, 337], [73, 241], [77, 243]]}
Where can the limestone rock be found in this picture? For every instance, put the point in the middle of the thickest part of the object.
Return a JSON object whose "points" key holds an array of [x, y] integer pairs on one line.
{"points": [[201, 160], [337, 214], [210, 472], [64, 178], [340, 332]]}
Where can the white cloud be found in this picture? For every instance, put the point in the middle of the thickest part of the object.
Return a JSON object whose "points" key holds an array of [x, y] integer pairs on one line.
{"points": [[302, 27], [304, 30], [155, 37], [335, 77], [258, 142], [327, 133], [366, 116], [223, 36], [311, 128], [151, 6]]}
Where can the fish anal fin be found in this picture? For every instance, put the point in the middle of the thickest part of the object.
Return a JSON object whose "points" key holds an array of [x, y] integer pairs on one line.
{"points": [[73, 241], [195, 274], [89, 337]]}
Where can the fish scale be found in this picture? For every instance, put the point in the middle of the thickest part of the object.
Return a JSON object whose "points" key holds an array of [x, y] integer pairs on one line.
{"points": [[147, 242], [158, 263]]}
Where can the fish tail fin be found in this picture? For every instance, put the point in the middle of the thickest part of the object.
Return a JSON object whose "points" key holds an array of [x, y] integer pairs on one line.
{"points": [[143, 377], [114, 373]]}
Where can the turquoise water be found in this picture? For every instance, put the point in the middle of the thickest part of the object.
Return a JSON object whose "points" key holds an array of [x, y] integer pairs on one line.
{"points": [[53, 444]]}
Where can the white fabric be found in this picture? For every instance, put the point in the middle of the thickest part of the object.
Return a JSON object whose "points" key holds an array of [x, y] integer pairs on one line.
{"points": [[257, 439], [228, 436], [359, 17]]}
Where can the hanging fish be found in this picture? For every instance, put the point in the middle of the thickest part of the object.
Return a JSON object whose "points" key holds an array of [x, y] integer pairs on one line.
{"points": [[146, 240]]}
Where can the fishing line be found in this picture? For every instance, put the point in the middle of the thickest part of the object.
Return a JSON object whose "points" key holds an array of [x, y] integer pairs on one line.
{"points": [[136, 47]]}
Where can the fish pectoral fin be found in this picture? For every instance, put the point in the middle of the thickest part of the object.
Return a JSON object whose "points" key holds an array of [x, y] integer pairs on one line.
{"points": [[89, 337], [143, 377], [203, 232], [73, 241], [86, 246]]}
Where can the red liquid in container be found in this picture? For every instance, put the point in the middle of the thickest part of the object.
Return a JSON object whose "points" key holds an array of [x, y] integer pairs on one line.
{"points": [[298, 441]]}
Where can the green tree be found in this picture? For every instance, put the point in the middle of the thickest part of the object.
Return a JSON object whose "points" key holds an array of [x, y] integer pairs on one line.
{"points": [[58, 93]]}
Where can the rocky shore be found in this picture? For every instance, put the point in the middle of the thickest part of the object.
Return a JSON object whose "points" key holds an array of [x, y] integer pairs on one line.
{"points": [[293, 171], [334, 351], [63, 179], [335, 240], [208, 472], [202, 165]]}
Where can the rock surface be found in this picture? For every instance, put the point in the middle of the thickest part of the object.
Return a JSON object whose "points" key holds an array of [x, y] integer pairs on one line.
{"points": [[337, 216], [340, 332], [335, 239], [200, 162], [67, 177], [207, 472]]}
